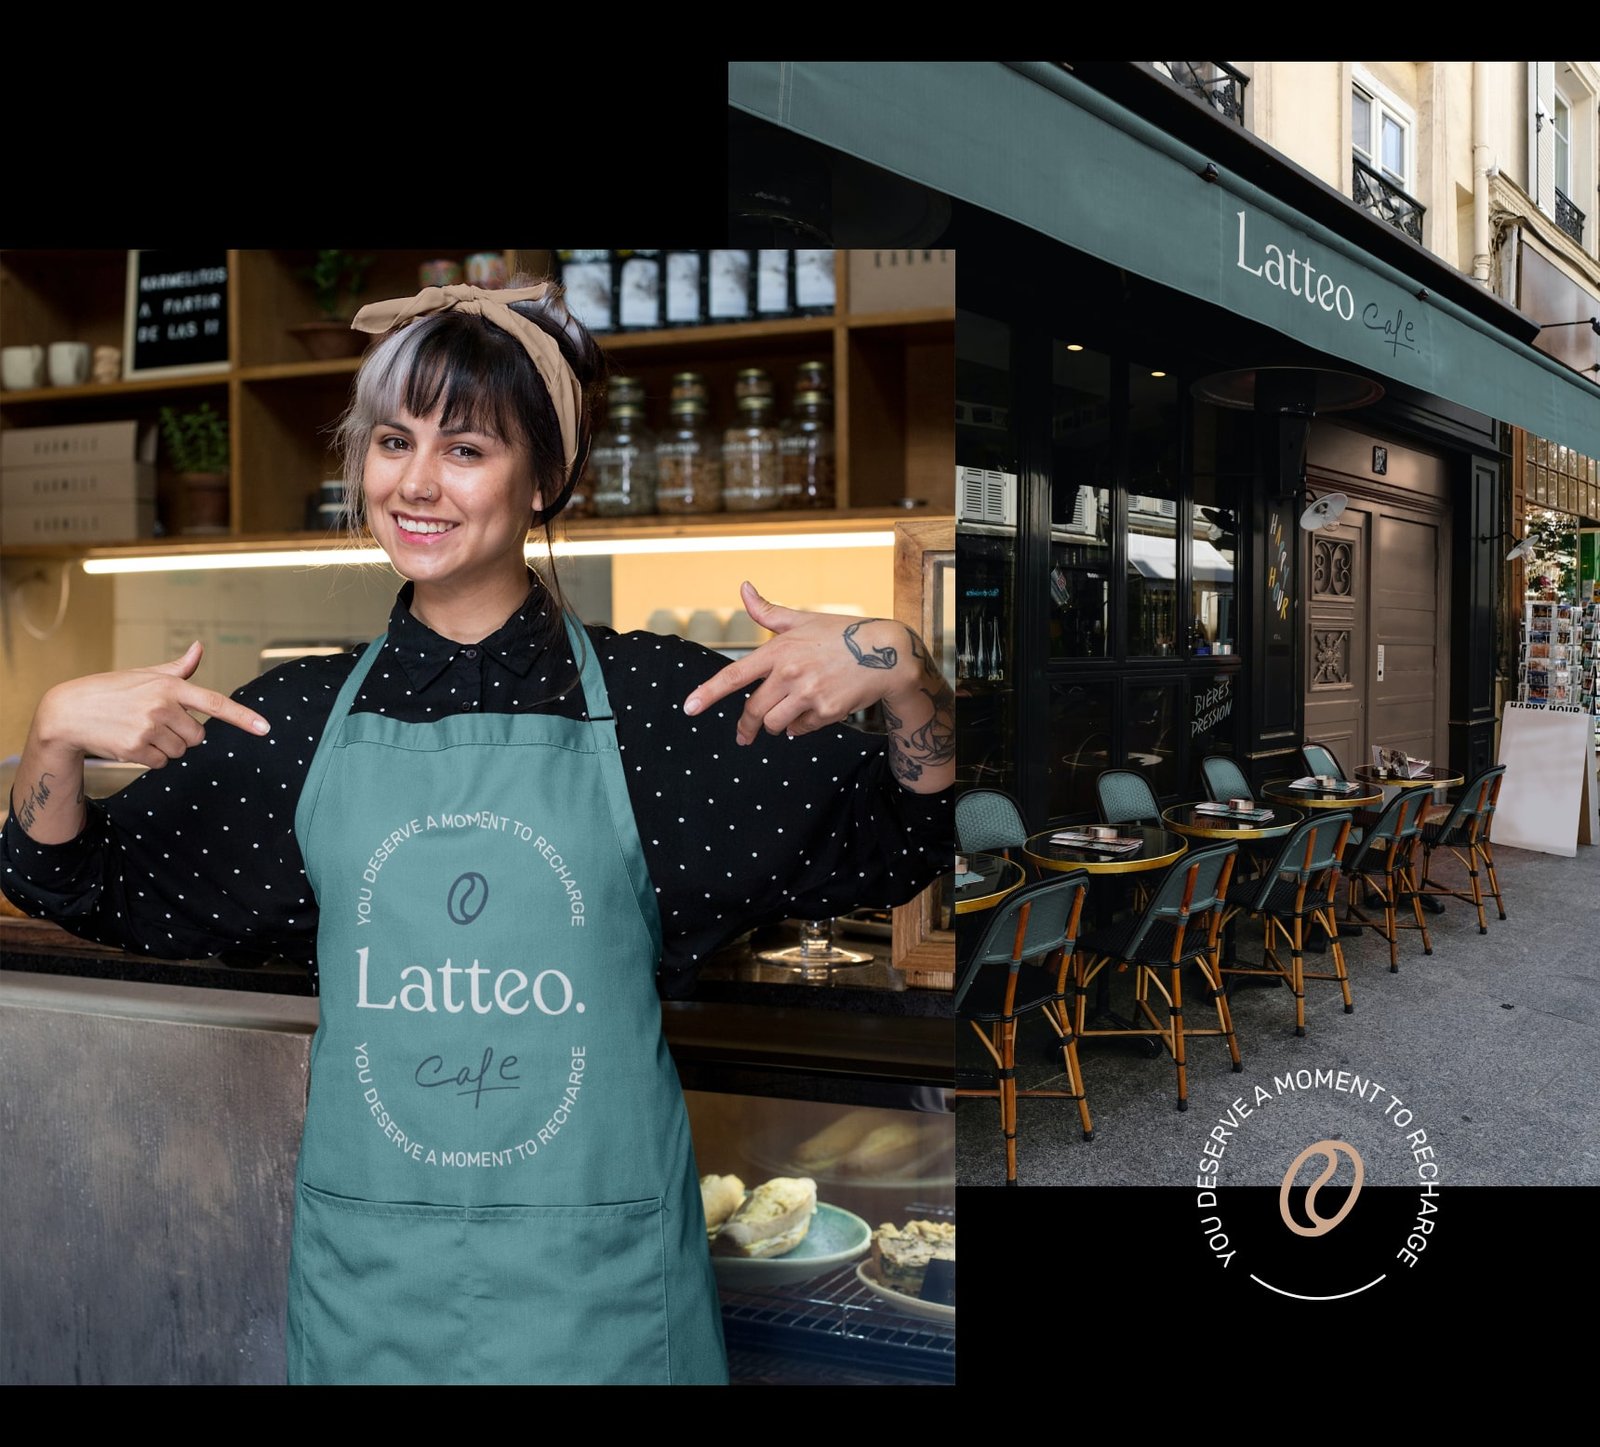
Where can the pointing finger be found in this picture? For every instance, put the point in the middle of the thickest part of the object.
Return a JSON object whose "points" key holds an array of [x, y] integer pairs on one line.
{"points": [[219, 705], [736, 675]]}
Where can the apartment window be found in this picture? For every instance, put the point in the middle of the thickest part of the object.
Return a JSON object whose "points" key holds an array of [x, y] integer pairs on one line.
{"points": [[1563, 130], [1381, 136]]}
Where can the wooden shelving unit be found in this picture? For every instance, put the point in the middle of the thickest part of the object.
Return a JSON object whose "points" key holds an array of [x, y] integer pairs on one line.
{"points": [[892, 372]]}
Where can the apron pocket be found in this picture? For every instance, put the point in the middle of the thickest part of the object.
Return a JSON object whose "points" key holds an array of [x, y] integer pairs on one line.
{"points": [[384, 1292]]}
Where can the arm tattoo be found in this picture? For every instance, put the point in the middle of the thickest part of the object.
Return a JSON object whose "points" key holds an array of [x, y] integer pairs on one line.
{"points": [[879, 658], [931, 742], [36, 800]]}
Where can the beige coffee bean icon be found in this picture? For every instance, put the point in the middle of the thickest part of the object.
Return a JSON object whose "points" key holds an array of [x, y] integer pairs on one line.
{"points": [[1321, 1225]]}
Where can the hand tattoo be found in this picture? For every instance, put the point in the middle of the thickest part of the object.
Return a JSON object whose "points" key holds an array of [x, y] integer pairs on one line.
{"points": [[880, 657]]}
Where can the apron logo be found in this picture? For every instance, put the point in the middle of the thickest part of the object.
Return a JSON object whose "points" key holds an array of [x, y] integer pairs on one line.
{"points": [[468, 896]]}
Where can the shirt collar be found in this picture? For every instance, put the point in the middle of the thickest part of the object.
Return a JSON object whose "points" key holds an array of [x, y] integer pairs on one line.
{"points": [[423, 654]]}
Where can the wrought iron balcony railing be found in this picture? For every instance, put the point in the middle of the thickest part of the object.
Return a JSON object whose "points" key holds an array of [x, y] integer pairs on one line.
{"points": [[1568, 217], [1383, 198], [1214, 80]]}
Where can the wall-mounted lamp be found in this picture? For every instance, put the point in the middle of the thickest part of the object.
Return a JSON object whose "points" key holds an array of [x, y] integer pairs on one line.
{"points": [[1519, 549], [1324, 512]]}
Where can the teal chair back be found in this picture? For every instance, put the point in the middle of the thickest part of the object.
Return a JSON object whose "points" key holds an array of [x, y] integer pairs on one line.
{"points": [[1192, 884], [988, 821], [1400, 818], [1223, 778], [1309, 850], [1052, 913], [1320, 760], [1125, 796], [1477, 803]]}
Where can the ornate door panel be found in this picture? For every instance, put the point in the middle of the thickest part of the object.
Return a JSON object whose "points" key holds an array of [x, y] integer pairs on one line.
{"points": [[1336, 592]]}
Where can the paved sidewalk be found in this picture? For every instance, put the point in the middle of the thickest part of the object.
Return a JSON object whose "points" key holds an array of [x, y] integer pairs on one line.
{"points": [[1492, 1042]]}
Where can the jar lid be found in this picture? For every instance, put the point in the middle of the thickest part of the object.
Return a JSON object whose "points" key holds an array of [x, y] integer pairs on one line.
{"points": [[687, 377], [689, 405], [626, 387], [812, 367], [621, 410], [810, 399], [754, 404]]}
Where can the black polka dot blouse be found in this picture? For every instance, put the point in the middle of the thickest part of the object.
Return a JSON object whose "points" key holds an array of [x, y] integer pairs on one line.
{"points": [[199, 858]]}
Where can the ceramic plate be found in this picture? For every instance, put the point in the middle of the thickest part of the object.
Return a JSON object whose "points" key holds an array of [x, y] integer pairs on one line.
{"points": [[836, 1236], [899, 1301]]}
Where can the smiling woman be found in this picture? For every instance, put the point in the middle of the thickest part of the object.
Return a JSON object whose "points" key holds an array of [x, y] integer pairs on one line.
{"points": [[496, 1181]]}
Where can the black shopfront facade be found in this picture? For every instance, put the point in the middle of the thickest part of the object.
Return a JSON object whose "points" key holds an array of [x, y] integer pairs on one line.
{"points": [[1155, 599], [1170, 341]]}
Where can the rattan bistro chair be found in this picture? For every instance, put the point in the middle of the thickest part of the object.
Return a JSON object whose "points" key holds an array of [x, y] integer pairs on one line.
{"points": [[1178, 926], [1223, 778], [1319, 759], [1383, 864], [1020, 965], [1125, 797], [1466, 828], [989, 821], [1298, 888]]}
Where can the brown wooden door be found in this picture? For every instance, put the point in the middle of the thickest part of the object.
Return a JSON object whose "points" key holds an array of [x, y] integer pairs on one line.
{"points": [[1404, 693], [1373, 583]]}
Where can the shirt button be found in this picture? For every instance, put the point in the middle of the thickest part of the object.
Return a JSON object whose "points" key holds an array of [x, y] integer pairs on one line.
{"points": [[467, 705], [471, 653]]}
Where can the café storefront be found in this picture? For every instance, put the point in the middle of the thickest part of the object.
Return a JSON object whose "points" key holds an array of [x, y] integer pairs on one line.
{"points": [[1171, 344]]}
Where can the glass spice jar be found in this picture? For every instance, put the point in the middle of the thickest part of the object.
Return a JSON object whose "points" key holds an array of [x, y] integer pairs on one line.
{"points": [[689, 461], [752, 382], [751, 476], [688, 387], [805, 450], [812, 377], [623, 459]]}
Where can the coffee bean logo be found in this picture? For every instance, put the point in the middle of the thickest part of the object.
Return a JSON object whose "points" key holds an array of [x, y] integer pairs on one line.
{"points": [[1329, 1151], [468, 895]]}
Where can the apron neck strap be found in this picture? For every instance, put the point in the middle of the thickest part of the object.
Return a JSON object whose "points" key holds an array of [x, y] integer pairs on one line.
{"points": [[595, 698]]}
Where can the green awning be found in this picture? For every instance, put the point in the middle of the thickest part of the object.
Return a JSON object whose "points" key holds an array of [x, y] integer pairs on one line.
{"points": [[1028, 141]]}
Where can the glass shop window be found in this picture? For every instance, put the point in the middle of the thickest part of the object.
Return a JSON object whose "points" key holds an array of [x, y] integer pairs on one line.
{"points": [[1079, 581], [1080, 744], [1152, 576], [1152, 733], [1221, 468]]}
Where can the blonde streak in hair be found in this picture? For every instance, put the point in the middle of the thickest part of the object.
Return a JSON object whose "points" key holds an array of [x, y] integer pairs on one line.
{"points": [[374, 394]]}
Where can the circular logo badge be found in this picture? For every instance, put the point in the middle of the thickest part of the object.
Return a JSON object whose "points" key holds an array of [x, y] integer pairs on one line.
{"points": [[1320, 1225], [468, 895]]}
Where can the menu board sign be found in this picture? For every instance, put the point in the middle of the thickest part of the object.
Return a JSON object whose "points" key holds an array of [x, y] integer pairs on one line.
{"points": [[177, 313]]}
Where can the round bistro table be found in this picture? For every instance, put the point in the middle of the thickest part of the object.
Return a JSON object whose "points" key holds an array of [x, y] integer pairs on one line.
{"points": [[997, 877], [1182, 819], [1281, 792]]}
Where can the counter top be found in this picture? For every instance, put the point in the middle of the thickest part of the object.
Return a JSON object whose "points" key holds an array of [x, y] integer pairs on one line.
{"points": [[730, 977]]}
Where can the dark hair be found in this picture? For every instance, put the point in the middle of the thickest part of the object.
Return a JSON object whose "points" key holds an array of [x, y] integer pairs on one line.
{"points": [[479, 376]]}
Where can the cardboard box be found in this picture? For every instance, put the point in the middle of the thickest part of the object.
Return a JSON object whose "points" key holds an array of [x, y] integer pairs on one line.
{"points": [[78, 483], [892, 281], [128, 441], [102, 522]]}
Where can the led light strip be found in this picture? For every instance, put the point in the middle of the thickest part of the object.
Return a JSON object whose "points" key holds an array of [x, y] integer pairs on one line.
{"points": [[353, 556]]}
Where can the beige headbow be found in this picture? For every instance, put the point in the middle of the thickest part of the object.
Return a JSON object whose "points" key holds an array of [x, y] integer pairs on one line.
{"points": [[559, 379]]}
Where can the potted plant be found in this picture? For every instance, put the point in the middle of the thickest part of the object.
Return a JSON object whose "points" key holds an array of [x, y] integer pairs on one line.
{"points": [[336, 279], [197, 448]]}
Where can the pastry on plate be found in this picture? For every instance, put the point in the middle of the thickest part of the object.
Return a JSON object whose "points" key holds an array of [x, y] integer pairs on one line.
{"points": [[901, 1254], [721, 1196], [773, 1220]]}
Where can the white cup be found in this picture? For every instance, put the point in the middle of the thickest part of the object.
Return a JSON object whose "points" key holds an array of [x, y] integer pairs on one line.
{"points": [[21, 367], [69, 364]]}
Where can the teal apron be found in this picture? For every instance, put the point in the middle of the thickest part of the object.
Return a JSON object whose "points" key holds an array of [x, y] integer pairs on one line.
{"points": [[496, 1182]]}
